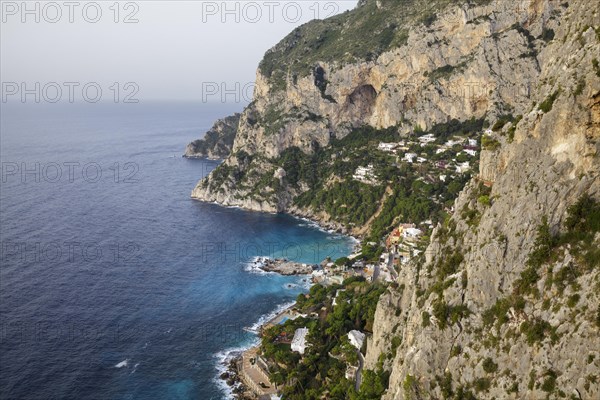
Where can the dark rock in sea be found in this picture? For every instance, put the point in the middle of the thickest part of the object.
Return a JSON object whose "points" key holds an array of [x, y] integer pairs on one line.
{"points": [[285, 267]]}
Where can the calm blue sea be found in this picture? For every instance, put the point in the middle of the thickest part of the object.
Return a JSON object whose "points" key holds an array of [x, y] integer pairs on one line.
{"points": [[114, 284]]}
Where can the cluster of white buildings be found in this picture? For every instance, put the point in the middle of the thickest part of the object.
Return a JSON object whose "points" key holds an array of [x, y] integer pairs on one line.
{"points": [[365, 174], [469, 147], [426, 139], [393, 147]]}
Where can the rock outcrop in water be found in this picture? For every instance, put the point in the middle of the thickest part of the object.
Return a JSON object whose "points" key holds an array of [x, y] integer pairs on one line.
{"points": [[505, 301], [217, 142], [282, 266]]}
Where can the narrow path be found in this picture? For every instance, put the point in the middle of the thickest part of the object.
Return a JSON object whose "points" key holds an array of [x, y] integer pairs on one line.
{"points": [[361, 363]]}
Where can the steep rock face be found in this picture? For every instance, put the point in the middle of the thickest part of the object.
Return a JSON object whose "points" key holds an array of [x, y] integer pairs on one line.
{"points": [[217, 142], [466, 320], [470, 61]]}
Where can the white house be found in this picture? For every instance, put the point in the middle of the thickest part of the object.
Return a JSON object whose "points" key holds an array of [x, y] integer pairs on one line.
{"points": [[318, 273], [429, 138], [365, 174], [463, 167], [440, 150], [443, 178], [472, 142], [409, 157], [412, 233], [299, 341], [421, 159], [471, 152], [356, 338], [387, 146]]}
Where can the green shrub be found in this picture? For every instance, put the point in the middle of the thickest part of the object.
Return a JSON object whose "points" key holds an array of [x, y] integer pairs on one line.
{"points": [[396, 341], [446, 71], [535, 330], [596, 66], [489, 365], [342, 261], [464, 394], [547, 34], [573, 300], [456, 350], [445, 383], [502, 120], [489, 143], [544, 244], [485, 200], [471, 215], [426, 319], [511, 131], [532, 379], [579, 88], [498, 313], [429, 19], [482, 384], [549, 383], [449, 265], [410, 385], [448, 315], [546, 105]]}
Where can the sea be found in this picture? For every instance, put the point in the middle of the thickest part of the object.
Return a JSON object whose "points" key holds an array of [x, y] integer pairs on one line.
{"points": [[114, 283]]}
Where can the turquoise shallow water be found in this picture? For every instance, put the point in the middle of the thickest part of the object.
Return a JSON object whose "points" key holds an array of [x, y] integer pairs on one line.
{"points": [[114, 284]]}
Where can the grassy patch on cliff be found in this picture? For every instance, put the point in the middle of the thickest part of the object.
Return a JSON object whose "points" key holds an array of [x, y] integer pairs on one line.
{"points": [[578, 235], [360, 34], [579, 231]]}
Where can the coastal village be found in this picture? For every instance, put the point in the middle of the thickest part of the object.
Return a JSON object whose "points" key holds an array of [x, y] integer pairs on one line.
{"points": [[439, 161], [251, 374]]}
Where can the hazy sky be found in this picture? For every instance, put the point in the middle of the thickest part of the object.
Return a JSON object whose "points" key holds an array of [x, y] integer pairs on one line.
{"points": [[176, 50]]}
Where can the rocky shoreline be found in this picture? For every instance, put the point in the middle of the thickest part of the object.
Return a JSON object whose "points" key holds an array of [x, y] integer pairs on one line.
{"points": [[283, 266], [232, 377]]}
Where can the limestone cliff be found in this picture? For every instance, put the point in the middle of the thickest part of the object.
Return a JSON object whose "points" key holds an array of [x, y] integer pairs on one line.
{"points": [[505, 303], [425, 62], [217, 142]]}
